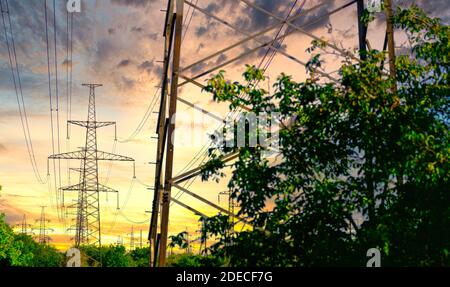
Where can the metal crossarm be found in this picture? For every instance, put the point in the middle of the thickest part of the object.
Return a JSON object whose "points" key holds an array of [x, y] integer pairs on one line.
{"points": [[79, 186], [221, 209], [195, 211], [196, 171], [91, 154], [87, 124]]}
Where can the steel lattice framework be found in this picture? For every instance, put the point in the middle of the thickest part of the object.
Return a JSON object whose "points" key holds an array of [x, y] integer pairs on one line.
{"points": [[87, 228], [173, 73], [43, 237]]}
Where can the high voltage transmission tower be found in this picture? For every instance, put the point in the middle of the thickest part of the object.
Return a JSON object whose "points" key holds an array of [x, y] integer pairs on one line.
{"points": [[87, 227], [119, 240], [25, 228], [132, 239], [43, 237]]}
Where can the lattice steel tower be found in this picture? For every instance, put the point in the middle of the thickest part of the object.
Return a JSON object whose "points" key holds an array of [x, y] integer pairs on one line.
{"points": [[132, 238], [43, 237], [87, 229], [24, 226]]}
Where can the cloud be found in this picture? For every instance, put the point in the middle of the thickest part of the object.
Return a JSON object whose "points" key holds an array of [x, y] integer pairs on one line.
{"points": [[435, 8], [124, 63], [136, 29], [133, 3], [146, 66], [67, 63], [127, 83], [13, 214], [153, 36], [201, 31], [222, 58]]}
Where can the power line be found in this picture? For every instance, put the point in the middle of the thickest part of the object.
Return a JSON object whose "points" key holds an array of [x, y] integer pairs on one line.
{"points": [[57, 102], [51, 104], [18, 91], [144, 119], [71, 72], [67, 100], [131, 220], [234, 113], [153, 102], [188, 21], [127, 197]]}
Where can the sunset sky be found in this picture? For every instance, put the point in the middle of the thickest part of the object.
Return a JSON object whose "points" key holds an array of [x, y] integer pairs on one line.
{"points": [[119, 44]]}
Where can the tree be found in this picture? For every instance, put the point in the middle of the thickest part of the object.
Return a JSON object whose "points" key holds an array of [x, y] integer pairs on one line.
{"points": [[10, 249], [22, 250], [106, 256], [179, 240], [360, 165], [140, 256], [192, 260], [43, 255]]}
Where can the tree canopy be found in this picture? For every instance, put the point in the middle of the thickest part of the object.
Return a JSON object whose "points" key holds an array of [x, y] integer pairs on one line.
{"points": [[21, 250], [360, 165]]}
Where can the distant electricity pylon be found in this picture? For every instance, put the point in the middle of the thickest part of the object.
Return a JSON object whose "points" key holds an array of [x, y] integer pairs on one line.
{"points": [[119, 241], [87, 228], [43, 230], [132, 239], [25, 228]]}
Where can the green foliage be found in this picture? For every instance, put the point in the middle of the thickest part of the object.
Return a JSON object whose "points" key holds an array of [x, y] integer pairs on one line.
{"points": [[140, 257], [22, 250], [179, 240], [11, 253], [356, 149], [106, 256], [43, 255], [192, 260]]}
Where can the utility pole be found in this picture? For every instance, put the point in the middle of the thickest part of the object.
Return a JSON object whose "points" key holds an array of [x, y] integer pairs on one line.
{"points": [[390, 42], [171, 133], [162, 125], [43, 237], [362, 29], [87, 228]]}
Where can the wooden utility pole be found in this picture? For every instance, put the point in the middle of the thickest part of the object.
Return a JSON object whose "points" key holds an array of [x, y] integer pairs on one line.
{"points": [[161, 131], [362, 29], [171, 133], [390, 41]]}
